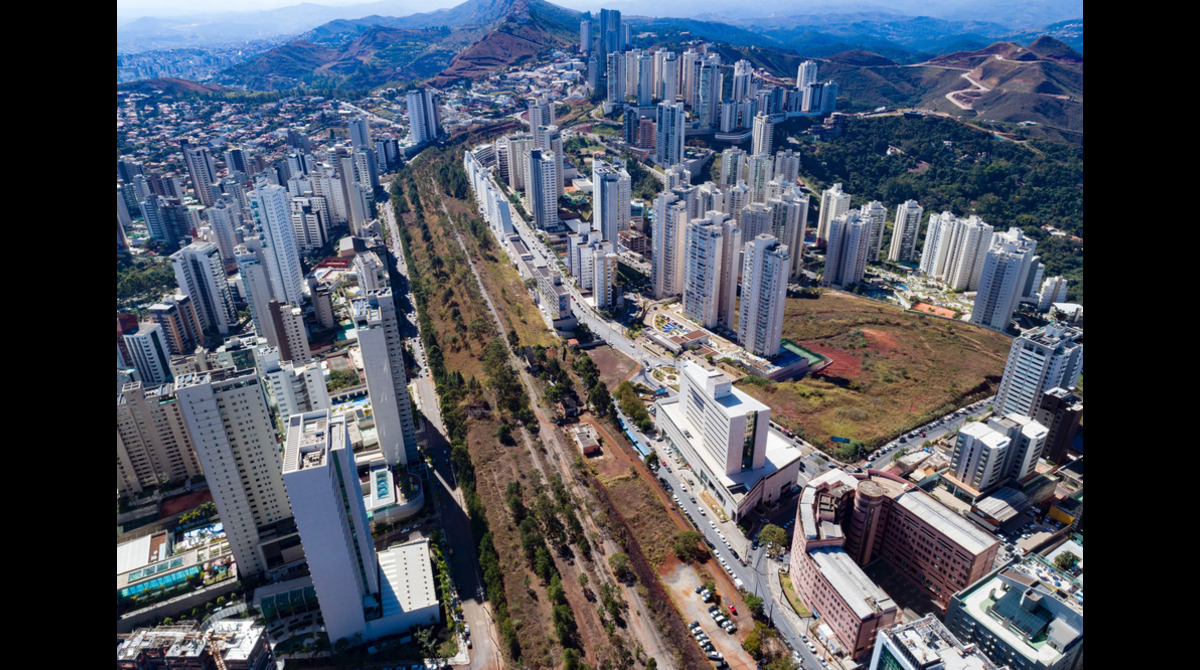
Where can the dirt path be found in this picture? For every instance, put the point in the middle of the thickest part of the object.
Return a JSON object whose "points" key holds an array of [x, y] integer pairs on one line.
{"points": [[590, 631]]}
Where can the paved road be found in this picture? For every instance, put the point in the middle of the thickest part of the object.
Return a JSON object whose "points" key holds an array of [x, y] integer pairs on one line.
{"points": [[933, 431]]}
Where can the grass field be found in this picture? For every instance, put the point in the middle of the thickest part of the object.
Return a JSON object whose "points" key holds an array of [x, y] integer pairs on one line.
{"points": [[892, 370], [793, 599]]}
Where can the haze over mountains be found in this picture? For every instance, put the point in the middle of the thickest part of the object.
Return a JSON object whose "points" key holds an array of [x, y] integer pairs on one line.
{"points": [[791, 25]]}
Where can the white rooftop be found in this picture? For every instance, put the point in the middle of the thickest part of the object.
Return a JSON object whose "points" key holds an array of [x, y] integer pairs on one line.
{"points": [[133, 554], [407, 578]]}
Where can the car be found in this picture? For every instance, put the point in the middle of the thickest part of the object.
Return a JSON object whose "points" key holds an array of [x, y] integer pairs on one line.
{"points": [[466, 630], [754, 545], [701, 510], [694, 624], [732, 608], [698, 590], [713, 608]]}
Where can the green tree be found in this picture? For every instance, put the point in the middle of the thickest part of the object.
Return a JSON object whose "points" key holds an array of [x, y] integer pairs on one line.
{"points": [[755, 603], [652, 460], [619, 563], [687, 546], [772, 534], [1066, 560]]}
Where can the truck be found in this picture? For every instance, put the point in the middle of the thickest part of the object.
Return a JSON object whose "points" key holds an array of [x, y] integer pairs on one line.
{"points": [[737, 581]]}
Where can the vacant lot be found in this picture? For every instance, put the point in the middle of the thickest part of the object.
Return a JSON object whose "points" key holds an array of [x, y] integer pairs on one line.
{"points": [[892, 370], [614, 366]]}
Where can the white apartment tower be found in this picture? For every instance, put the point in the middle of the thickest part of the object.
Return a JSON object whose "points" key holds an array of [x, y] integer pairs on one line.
{"points": [[763, 135], [378, 330], [905, 231], [731, 267], [834, 203], [789, 223], [327, 500], [611, 200], [542, 188], [764, 289], [200, 273], [876, 213], [231, 429], [955, 249], [669, 228], [1002, 277], [423, 115], [202, 171], [271, 210], [148, 348], [223, 218], [604, 274], [294, 389], [1040, 360], [670, 122], [1054, 289], [616, 78], [847, 251], [702, 274]]}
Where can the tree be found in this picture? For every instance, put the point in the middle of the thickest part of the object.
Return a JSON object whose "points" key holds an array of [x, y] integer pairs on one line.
{"points": [[687, 546], [1066, 560], [513, 340], [772, 534], [652, 460], [755, 603], [619, 563], [598, 396]]}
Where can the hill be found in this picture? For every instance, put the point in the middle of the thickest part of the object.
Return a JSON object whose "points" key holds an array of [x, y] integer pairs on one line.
{"points": [[170, 85], [464, 41]]}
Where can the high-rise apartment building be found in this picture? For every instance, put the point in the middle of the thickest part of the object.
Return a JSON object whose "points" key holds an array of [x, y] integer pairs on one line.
{"points": [[288, 323], [257, 289], [787, 167], [1054, 289], [604, 274], [231, 429], [955, 250], [905, 230], [709, 90], [378, 331], [327, 500], [549, 139], [789, 223], [149, 353], [645, 74], [224, 218], [541, 113], [1002, 276], [176, 315], [616, 78], [670, 77], [292, 388], [876, 213], [269, 205], [764, 290], [847, 251], [202, 171], [669, 124], [1060, 412], [667, 262], [702, 272], [200, 273], [1040, 360], [1004, 449], [731, 267], [759, 173], [612, 199], [585, 36], [424, 116], [763, 140], [153, 444], [834, 203], [733, 167], [542, 188], [360, 133]]}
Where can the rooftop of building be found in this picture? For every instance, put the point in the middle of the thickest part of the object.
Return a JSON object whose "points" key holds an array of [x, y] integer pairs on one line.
{"points": [[780, 453], [945, 521], [1027, 605], [864, 596], [407, 578], [927, 641]]}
